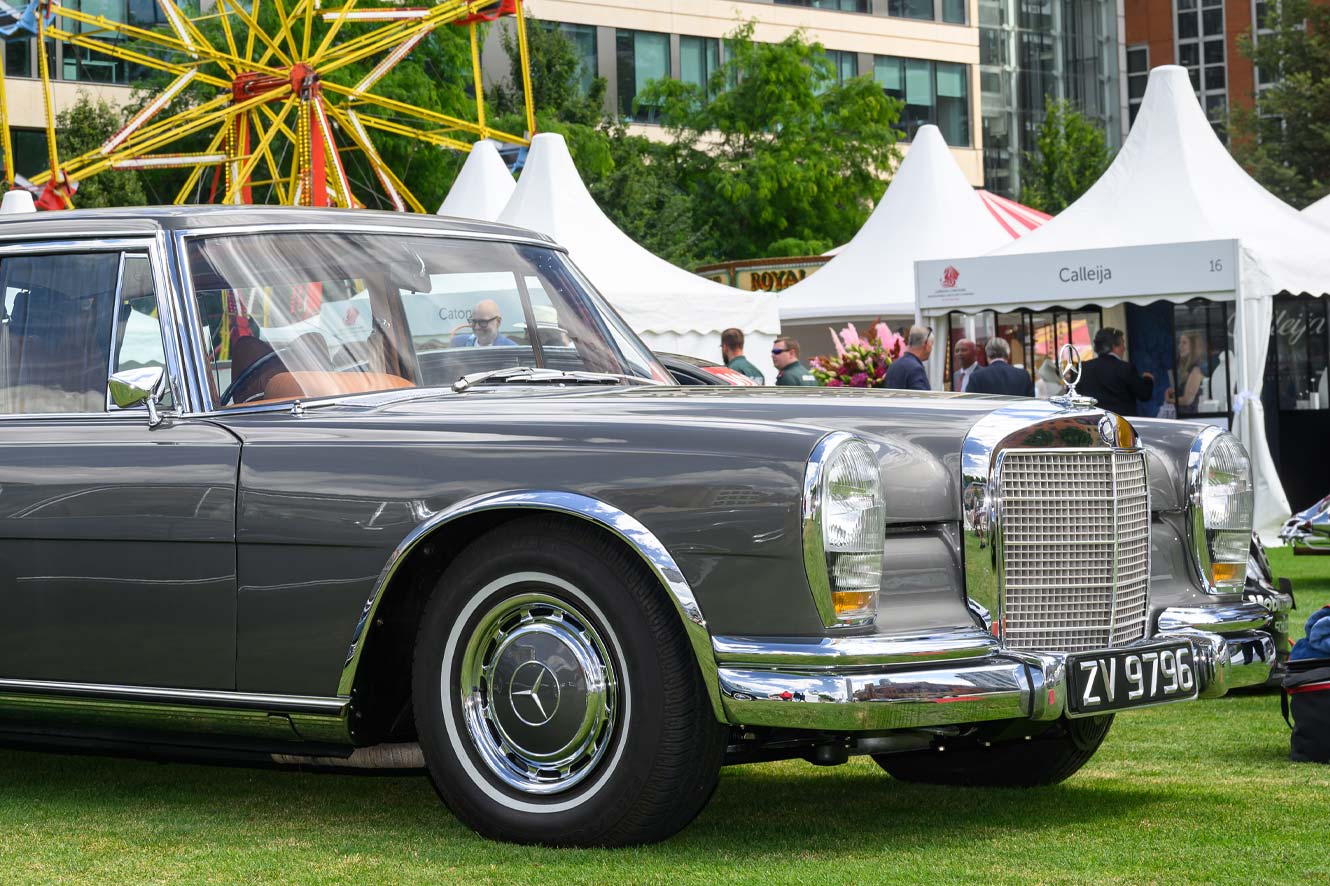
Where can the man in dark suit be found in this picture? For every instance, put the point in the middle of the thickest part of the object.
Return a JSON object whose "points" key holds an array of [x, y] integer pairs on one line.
{"points": [[1110, 378], [906, 372], [999, 376]]}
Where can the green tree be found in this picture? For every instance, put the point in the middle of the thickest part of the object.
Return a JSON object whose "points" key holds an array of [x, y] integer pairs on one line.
{"points": [[773, 150], [1070, 155], [83, 127], [1285, 143]]}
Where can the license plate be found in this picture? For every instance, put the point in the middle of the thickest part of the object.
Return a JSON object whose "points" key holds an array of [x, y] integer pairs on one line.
{"points": [[1116, 679]]}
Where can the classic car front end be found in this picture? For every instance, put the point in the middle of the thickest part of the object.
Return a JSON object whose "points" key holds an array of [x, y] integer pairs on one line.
{"points": [[389, 491]]}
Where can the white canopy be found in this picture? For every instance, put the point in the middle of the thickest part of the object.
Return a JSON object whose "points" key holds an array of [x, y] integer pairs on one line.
{"points": [[929, 210], [483, 187], [1174, 217], [1319, 211], [671, 309]]}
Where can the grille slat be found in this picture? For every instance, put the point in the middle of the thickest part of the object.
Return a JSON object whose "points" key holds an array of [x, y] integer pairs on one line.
{"points": [[1066, 517]]}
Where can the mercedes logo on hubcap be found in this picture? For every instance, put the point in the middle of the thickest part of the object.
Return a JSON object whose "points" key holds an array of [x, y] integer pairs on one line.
{"points": [[534, 693]]}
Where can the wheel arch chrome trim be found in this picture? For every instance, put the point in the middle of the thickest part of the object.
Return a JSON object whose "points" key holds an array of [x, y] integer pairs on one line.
{"points": [[623, 526]]}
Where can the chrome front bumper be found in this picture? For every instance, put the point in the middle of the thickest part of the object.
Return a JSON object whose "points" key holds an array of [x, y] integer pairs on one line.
{"points": [[870, 684]]}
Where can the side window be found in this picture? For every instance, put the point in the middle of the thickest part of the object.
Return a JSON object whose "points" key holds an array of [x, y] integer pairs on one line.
{"points": [[138, 328], [55, 340]]}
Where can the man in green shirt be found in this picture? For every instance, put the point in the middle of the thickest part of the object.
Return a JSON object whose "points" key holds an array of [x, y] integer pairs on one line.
{"points": [[732, 353], [791, 372]]}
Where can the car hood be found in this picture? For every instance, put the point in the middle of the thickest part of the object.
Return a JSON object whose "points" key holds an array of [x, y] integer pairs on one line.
{"points": [[917, 435]]}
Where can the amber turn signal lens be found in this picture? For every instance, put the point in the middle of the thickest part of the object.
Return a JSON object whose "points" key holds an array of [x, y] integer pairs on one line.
{"points": [[1225, 571], [852, 602]]}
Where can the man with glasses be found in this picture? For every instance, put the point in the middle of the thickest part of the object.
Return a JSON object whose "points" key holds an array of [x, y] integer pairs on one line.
{"points": [[906, 372], [485, 323], [790, 371]]}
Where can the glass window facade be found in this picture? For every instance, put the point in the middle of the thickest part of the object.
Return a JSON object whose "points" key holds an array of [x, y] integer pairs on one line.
{"points": [[933, 92], [845, 63], [1138, 73], [842, 5], [699, 58], [920, 9], [19, 57], [1030, 50], [642, 56], [583, 38], [1201, 50]]}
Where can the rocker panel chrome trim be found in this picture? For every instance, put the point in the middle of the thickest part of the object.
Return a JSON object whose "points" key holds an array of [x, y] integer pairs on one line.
{"points": [[626, 527]]}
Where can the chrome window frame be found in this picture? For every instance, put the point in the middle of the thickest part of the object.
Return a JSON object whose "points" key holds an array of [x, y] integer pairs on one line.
{"points": [[155, 249], [1002, 430], [191, 327]]}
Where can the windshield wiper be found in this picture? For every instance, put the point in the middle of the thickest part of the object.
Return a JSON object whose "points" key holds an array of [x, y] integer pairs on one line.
{"points": [[542, 376]]}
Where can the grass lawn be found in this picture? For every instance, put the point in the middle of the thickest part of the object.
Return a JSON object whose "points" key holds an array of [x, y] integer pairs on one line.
{"points": [[1201, 793]]}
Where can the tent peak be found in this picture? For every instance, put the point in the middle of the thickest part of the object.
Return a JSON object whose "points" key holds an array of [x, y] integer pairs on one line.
{"points": [[482, 187]]}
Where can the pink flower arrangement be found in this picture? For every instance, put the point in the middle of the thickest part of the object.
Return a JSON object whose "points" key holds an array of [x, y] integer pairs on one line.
{"points": [[860, 361]]}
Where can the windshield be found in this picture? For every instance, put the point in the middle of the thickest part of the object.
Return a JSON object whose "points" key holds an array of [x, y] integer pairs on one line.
{"points": [[305, 315]]}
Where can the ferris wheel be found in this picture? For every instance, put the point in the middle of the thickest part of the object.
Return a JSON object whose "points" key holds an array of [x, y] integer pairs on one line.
{"points": [[253, 107]]}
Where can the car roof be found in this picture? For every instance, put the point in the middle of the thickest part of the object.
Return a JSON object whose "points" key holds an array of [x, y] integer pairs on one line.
{"points": [[149, 220]]}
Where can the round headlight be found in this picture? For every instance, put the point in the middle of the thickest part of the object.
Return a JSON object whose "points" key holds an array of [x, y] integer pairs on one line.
{"points": [[1222, 505], [843, 529]]}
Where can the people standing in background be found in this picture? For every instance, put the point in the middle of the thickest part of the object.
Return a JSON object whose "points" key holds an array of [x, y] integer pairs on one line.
{"points": [[790, 371], [732, 354], [999, 376], [1110, 378], [1192, 369], [906, 372], [968, 356]]}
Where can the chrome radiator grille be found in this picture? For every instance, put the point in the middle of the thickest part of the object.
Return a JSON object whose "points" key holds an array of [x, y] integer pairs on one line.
{"points": [[1075, 548]]}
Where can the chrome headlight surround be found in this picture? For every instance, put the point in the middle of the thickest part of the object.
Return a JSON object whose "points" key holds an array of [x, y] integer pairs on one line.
{"points": [[842, 516], [1220, 510]]}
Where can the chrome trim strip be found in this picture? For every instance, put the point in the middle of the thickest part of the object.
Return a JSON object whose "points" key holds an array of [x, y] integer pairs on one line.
{"points": [[205, 697], [874, 701], [1011, 686], [837, 652], [1222, 618], [626, 527]]}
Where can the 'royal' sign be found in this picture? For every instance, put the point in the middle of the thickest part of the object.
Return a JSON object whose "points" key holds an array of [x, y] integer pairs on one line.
{"points": [[1077, 277]]}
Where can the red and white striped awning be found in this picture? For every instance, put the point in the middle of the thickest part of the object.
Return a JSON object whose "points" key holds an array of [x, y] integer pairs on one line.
{"points": [[1016, 219]]}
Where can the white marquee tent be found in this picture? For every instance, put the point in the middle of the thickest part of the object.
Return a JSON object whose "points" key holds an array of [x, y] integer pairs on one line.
{"points": [[1173, 218], [928, 211], [1319, 211], [483, 187], [673, 310]]}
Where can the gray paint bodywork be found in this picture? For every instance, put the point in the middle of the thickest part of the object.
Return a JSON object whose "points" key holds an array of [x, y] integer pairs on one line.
{"points": [[247, 562]]}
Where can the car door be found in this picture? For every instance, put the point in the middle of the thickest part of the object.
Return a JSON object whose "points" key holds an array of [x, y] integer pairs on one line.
{"points": [[117, 540]]}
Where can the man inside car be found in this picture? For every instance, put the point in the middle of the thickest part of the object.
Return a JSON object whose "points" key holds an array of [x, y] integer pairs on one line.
{"points": [[485, 323]]}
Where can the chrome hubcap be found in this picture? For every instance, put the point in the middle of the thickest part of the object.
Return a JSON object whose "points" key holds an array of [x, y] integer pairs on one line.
{"points": [[539, 693]]}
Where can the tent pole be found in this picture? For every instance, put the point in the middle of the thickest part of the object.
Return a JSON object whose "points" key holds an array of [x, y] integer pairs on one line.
{"points": [[1239, 339]]}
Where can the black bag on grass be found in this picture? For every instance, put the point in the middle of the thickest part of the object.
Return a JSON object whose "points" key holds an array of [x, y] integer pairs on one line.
{"points": [[1307, 697]]}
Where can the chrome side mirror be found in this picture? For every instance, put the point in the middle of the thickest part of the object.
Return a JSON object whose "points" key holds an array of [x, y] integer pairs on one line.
{"points": [[146, 385]]}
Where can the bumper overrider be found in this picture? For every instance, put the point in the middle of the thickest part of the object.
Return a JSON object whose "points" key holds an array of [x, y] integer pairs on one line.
{"points": [[883, 683]]}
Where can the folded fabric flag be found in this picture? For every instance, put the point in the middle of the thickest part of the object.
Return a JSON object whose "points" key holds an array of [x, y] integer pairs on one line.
{"points": [[1317, 642]]}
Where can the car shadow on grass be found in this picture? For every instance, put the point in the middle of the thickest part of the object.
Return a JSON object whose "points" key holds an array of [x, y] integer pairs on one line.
{"points": [[757, 810]]}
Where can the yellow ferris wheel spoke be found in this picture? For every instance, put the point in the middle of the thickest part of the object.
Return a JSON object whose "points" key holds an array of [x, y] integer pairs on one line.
{"points": [[395, 128], [193, 180], [381, 38], [128, 55], [256, 30], [338, 20], [79, 164], [255, 155], [397, 191]]}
